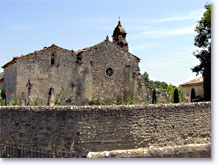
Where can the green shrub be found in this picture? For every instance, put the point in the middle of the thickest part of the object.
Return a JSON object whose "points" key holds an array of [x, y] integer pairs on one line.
{"points": [[154, 97], [193, 95], [176, 96]]}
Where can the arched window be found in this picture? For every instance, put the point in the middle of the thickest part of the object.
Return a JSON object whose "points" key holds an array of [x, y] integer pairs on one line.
{"points": [[52, 59]]}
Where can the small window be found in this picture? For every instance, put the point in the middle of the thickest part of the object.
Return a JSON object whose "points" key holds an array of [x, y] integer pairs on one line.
{"points": [[109, 72], [52, 59]]}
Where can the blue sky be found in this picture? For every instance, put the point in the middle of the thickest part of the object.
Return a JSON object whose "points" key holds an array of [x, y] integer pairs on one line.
{"points": [[160, 32]]}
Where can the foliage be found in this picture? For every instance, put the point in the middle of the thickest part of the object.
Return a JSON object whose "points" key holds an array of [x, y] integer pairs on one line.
{"points": [[145, 77], [156, 84], [3, 97], [193, 95], [180, 93], [203, 41], [3, 93], [159, 84], [154, 97], [98, 101], [176, 96], [14, 101], [170, 91], [164, 86], [36, 103], [60, 98]]}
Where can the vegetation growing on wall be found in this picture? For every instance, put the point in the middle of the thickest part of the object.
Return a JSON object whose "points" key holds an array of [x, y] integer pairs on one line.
{"points": [[3, 97], [118, 96]]}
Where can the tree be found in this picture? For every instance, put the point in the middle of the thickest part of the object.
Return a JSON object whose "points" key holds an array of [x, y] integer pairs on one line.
{"points": [[193, 94], [4, 95], [203, 41], [154, 97], [170, 91], [156, 84], [176, 96], [145, 77], [180, 93]]}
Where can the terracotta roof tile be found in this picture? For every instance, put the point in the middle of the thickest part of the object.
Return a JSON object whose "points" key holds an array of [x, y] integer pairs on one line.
{"points": [[89, 48], [32, 53], [53, 45], [94, 46], [195, 81]]}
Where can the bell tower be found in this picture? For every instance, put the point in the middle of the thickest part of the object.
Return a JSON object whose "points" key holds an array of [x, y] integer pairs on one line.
{"points": [[119, 36]]}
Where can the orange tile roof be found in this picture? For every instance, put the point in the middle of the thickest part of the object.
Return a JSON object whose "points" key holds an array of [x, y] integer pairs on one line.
{"points": [[192, 82], [53, 45], [10, 62], [96, 45], [32, 53]]}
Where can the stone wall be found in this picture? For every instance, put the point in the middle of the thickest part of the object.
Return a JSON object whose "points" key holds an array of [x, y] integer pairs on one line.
{"points": [[185, 151], [10, 80], [104, 128], [108, 55], [1, 84], [37, 68], [79, 77]]}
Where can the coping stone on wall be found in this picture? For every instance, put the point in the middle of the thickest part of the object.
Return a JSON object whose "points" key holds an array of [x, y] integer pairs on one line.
{"points": [[101, 107]]}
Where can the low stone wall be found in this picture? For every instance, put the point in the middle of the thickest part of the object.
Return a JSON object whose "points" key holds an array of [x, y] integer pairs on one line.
{"points": [[103, 128], [186, 151]]}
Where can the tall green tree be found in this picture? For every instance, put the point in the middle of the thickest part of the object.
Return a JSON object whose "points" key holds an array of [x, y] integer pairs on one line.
{"points": [[180, 93], [203, 41], [176, 96], [170, 91], [154, 97], [156, 84], [192, 94], [145, 77], [4, 95]]}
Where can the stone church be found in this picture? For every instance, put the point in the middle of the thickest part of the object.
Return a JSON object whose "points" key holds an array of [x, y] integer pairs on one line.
{"points": [[106, 73]]}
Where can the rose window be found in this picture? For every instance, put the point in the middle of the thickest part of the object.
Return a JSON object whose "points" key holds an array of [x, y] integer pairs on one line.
{"points": [[109, 72]]}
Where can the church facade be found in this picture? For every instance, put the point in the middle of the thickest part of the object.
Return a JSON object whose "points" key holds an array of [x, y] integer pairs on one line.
{"points": [[106, 73]]}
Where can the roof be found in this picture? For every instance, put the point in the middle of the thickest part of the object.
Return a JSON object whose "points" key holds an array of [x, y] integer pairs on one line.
{"points": [[95, 46], [90, 48], [55, 46], [10, 62], [193, 82], [32, 53]]}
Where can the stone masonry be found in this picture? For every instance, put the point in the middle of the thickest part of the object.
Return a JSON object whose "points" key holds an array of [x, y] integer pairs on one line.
{"points": [[103, 128], [106, 71]]}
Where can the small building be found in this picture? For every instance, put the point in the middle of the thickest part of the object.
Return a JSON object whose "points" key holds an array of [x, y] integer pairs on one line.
{"points": [[197, 85]]}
